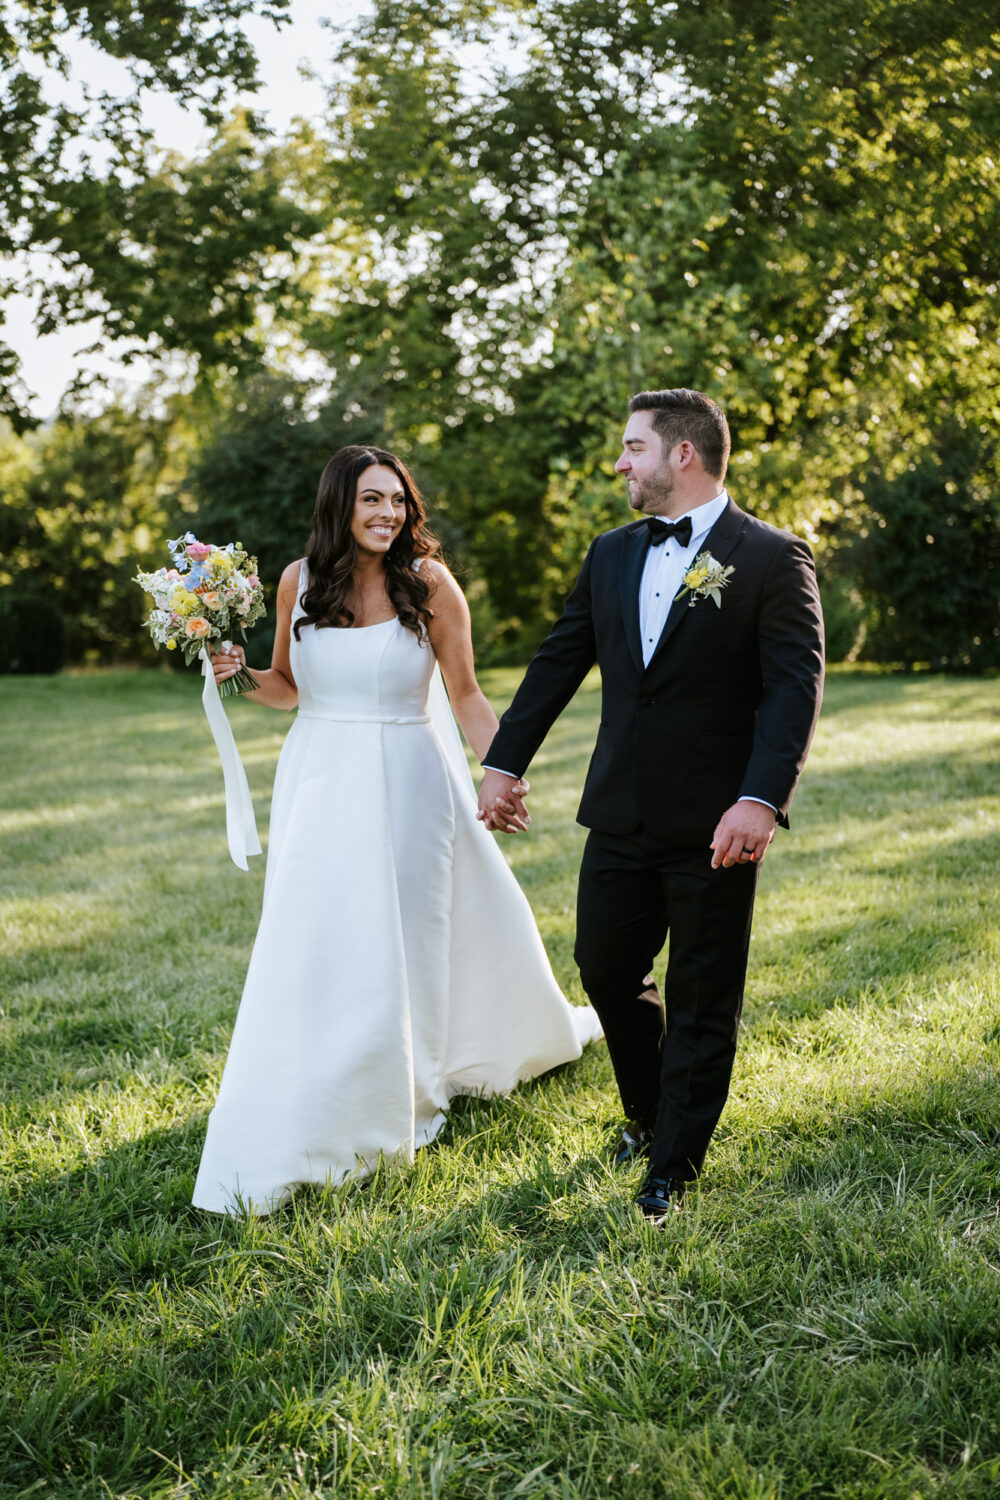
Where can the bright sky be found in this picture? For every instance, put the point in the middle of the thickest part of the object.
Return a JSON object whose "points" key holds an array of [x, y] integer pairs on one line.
{"points": [[49, 364]]}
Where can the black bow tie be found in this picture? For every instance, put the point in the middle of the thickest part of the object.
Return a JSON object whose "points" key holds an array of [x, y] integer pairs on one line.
{"points": [[660, 530]]}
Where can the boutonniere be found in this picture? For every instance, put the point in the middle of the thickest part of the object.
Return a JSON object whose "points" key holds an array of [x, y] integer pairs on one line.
{"points": [[704, 579]]}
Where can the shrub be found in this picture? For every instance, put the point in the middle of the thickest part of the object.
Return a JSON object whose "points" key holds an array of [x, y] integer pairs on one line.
{"points": [[32, 634], [929, 567], [843, 616]]}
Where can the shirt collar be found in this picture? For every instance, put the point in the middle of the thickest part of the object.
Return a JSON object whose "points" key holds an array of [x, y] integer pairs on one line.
{"points": [[703, 517]]}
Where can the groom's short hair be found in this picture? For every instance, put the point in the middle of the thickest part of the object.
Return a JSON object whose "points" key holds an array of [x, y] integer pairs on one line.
{"points": [[682, 414]]}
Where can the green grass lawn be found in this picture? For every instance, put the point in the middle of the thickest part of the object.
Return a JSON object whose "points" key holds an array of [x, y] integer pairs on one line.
{"points": [[822, 1320]]}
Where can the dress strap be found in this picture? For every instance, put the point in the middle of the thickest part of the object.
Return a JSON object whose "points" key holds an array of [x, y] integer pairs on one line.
{"points": [[303, 585]]}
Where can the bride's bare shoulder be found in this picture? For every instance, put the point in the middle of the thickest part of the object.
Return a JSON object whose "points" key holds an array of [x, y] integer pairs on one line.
{"points": [[435, 573], [288, 583]]}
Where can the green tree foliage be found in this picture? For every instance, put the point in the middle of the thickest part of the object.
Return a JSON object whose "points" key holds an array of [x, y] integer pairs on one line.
{"points": [[929, 562], [514, 214], [183, 258], [84, 504], [83, 184], [32, 634], [793, 207]]}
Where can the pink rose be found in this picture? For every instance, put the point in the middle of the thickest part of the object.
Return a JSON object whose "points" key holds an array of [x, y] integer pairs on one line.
{"points": [[198, 551]]}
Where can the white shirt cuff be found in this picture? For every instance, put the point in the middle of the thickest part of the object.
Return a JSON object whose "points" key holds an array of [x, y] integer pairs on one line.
{"points": [[502, 771], [761, 801]]}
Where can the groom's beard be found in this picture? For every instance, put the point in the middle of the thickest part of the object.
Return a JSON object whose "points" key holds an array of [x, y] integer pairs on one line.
{"points": [[651, 495]]}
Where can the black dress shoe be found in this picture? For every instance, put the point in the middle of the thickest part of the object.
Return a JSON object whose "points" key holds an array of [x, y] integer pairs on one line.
{"points": [[659, 1197], [634, 1141]]}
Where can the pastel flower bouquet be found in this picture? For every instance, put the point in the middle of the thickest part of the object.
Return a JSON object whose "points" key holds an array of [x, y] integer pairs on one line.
{"points": [[208, 594]]}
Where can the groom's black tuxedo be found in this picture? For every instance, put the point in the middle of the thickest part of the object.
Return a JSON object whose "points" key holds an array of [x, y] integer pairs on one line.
{"points": [[725, 709]]}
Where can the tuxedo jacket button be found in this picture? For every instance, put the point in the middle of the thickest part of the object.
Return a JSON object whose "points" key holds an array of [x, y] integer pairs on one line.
{"points": [[645, 702]]}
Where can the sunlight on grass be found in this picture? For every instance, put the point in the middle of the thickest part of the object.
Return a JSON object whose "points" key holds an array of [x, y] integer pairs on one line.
{"points": [[496, 1319]]}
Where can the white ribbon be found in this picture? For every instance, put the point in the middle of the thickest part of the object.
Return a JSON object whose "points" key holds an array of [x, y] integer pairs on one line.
{"points": [[240, 826]]}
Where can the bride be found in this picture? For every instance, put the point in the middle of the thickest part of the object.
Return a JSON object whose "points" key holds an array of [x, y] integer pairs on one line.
{"points": [[397, 962]]}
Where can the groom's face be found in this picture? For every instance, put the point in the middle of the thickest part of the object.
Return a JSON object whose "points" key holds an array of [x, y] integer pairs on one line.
{"points": [[645, 467]]}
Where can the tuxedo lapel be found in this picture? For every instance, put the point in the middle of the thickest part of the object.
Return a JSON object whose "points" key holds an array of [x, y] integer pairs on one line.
{"points": [[635, 545], [721, 541]]}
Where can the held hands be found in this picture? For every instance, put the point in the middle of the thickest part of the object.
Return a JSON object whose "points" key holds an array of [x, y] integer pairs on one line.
{"points": [[501, 803], [227, 663], [743, 834]]}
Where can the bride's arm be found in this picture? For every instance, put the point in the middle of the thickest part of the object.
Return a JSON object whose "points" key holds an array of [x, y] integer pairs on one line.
{"points": [[277, 687], [451, 636]]}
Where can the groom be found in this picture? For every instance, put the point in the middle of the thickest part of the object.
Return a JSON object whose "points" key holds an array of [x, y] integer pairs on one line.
{"points": [[709, 701]]}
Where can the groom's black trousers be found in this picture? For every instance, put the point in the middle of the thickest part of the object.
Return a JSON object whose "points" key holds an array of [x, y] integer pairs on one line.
{"points": [[672, 1059]]}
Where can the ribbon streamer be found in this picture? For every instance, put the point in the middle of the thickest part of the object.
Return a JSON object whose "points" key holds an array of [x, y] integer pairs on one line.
{"points": [[241, 828]]}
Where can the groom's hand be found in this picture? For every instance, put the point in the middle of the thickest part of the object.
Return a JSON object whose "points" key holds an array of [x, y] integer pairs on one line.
{"points": [[743, 834], [501, 802]]}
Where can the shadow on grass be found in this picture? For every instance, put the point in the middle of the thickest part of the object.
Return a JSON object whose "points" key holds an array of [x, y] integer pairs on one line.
{"points": [[844, 959], [922, 696], [934, 1138], [126, 1301], [132, 1185], [109, 1188], [905, 783], [81, 1061]]}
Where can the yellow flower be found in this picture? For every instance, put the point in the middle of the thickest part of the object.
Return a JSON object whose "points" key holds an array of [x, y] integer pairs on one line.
{"points": [[181, 602], [222, 563], [705, 579], [171, 645]]}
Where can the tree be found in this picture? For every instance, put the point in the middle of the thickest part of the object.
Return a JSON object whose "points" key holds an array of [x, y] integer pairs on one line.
{"points": [[929, 561], [55, 194], [84, 505], [791, 206], [516, 213]]}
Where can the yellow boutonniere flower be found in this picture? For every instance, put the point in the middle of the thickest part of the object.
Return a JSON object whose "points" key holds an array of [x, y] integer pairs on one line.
{"points": [[704, 579]]}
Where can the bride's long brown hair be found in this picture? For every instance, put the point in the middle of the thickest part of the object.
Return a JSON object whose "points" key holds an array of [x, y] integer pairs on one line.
{"points": [[332, 552]]}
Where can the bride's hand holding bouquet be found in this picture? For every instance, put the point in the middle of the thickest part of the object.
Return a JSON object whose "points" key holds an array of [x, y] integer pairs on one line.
{"points": [[229, 662]]}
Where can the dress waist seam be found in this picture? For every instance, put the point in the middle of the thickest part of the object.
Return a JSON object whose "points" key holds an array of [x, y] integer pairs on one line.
{"points": [[305, 713]]}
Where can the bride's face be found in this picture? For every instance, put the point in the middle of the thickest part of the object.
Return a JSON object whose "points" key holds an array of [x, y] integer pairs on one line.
{"points": [[379, 509]]}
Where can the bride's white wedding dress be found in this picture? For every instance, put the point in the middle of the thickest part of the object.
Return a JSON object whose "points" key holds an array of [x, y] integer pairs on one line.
{"points": [[397, 962]]}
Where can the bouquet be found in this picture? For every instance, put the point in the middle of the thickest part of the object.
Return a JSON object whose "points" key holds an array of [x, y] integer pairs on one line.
{"points": [[208, 594]]}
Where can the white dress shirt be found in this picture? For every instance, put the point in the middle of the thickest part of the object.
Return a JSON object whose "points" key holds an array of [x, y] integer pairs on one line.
{"points": [[664, 568]]}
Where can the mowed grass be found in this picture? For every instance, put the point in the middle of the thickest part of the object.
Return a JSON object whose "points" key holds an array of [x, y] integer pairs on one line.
{"points": [[497, 1321]]}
